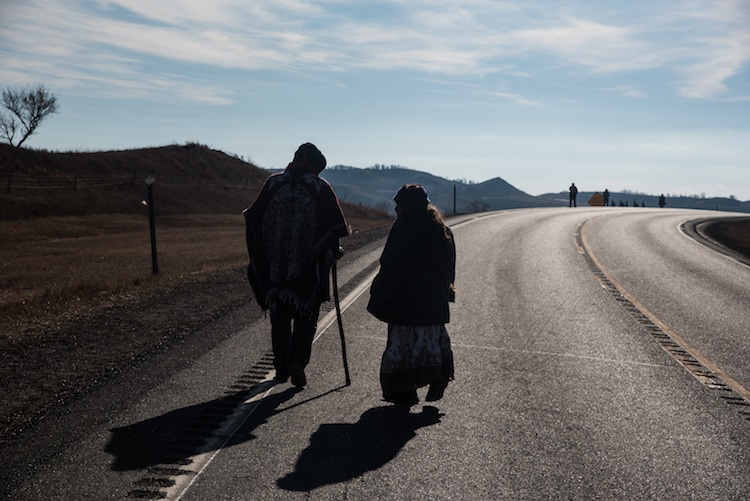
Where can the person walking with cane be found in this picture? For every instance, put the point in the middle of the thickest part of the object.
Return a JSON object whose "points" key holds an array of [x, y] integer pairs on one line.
{"points": [[293, 229]]}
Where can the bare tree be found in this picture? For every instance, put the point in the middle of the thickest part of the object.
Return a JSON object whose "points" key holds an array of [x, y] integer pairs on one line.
{"points": [[477, 206], [27, 108]]}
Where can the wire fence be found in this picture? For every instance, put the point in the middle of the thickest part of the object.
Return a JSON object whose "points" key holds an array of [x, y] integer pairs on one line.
{"points": [[16, 181]]}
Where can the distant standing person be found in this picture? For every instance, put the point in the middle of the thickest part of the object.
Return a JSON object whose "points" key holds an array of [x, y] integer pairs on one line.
{"points": [[293, 230], [411, 293], [573, 194], [662, 201], [606, 197]]}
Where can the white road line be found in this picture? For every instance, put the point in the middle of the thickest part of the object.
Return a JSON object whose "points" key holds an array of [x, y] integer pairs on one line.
{"points": [[243, 412], [224, 434], [330, 317], [673, 335]]}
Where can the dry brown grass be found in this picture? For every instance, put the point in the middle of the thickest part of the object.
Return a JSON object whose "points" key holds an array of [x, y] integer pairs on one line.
{"points": [[66, 265], [734, 234], [62, 247]]}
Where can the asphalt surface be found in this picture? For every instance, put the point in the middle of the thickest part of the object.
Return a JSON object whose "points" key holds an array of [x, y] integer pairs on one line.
{"points": [[569, 385]]}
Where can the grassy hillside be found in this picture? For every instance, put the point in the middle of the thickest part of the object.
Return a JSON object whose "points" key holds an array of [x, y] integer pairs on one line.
{"points": [[190, 179], [74, 227]]}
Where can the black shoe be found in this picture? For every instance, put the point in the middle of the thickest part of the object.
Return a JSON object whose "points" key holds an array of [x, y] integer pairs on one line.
{"points": [[281, 376], [437, 388], [298, 374]]}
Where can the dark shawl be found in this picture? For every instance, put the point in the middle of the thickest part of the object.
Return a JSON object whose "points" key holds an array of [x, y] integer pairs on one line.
{"points": [[417, 270], [293, 230]]}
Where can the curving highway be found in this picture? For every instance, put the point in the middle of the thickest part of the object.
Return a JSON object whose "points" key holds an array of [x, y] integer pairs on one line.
{"points": [[601, 353]]}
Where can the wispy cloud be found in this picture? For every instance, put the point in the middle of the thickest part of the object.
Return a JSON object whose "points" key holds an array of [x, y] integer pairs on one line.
{"points": [[595, 46], [516, 98], [628, 91], [701, 44]]}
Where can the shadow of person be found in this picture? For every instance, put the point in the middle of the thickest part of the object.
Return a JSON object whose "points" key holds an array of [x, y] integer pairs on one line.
{"points": [[343, 451], [179, 434]]}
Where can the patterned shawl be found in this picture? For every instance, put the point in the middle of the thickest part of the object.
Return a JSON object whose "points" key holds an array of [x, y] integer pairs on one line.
{"points": [[293, 229]]}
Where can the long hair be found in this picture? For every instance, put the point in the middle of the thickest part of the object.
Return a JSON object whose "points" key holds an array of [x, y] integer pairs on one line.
{"points": [[427, 217], [413, 206]]}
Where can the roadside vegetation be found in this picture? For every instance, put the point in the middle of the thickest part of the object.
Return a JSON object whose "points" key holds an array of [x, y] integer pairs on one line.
{"points": [[67, 250], [734, 234]]}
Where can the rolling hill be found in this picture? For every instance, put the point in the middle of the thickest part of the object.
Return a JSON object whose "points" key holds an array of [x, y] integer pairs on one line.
{"points": [[376, 186], [640, 199], [195, 179], [190, 179]]}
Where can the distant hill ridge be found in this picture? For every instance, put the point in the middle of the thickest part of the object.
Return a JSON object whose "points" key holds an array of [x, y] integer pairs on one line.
{"points": [[376, 186], [194, 178]]}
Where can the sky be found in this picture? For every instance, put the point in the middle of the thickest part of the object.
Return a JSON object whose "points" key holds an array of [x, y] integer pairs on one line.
{"points": [[651, 97]]}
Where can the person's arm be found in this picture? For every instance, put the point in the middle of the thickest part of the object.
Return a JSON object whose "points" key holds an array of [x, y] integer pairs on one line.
{"points": [[394, 263]]}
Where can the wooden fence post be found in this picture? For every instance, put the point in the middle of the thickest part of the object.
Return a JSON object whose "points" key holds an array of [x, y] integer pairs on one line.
{"points": [[154, 264]]}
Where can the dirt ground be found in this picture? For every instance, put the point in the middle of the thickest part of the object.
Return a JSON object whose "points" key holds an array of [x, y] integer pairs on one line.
{"points": [[80, 303]]}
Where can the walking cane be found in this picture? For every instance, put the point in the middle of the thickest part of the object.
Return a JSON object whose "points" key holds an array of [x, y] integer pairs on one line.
{"points": [[341, 325]]}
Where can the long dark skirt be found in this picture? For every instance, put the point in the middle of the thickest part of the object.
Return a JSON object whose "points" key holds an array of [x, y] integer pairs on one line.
{"points": [[414, 357]]}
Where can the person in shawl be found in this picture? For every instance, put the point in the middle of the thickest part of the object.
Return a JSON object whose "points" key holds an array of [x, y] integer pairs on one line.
{"points": [[411, 293], [293, 229]]}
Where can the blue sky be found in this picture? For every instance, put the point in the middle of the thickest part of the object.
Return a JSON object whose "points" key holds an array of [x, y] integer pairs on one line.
{"points": [[646, 96]]}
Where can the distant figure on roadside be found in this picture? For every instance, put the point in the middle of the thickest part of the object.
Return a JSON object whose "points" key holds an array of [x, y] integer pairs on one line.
{"points": [[293, 230], [662, 201], [573, 195], [606, 197], [411, 293]]}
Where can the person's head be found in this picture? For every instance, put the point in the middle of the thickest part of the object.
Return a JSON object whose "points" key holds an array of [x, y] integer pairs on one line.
{"points": [[310, 157], [411, 197], [414, 207]]}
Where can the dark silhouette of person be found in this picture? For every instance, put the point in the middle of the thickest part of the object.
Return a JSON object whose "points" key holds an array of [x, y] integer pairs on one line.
{"points": [[662, 201], [293, 230], [606, 197], [412, 292], [573, 195]]}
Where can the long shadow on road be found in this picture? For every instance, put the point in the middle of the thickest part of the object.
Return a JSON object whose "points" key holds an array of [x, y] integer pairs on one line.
{"points": [[343, 451], [174, 437]]}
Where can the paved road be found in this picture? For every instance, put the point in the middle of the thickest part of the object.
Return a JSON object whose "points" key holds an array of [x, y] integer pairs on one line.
{"points": [[600, 354]]}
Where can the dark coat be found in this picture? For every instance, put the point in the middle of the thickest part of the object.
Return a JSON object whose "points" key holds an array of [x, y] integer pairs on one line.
{"points": [[417, 271], [293, 231]]}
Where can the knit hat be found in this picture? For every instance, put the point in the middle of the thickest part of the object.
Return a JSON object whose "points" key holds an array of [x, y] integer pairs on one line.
{"points": [[412, 196], [311, 157]]}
